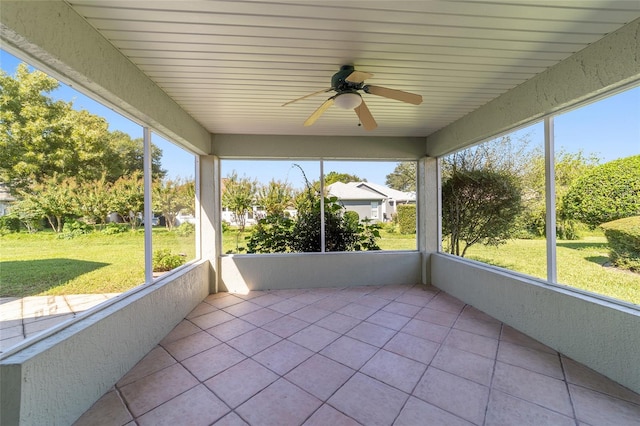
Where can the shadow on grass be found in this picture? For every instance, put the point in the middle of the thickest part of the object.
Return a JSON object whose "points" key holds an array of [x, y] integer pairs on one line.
{"points": [[600, 260], [23, 278], [581, 245]]}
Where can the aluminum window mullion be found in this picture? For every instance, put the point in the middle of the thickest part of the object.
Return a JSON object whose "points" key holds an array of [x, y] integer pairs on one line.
{"points": [[550, 195], [322, 227], [148, 209]]}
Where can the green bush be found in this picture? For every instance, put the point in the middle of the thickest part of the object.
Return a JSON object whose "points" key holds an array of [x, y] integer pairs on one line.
{"points": [[115, 228], [186, 229], [407, 218], [606, 193], [164, 260], [9, 223], [73, 228], [623, 236], [351, 219]]}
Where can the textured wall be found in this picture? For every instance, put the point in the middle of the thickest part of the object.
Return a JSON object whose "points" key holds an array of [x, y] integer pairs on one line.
{"points": [[604, 336], [62, 376], [309, 270]]}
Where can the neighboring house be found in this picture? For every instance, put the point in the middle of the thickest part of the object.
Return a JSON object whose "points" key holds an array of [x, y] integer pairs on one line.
{"points": [[370, 200], [6, 199]]}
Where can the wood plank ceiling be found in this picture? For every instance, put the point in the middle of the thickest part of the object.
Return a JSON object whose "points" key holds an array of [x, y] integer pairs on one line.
{"points": [[232, 64]]}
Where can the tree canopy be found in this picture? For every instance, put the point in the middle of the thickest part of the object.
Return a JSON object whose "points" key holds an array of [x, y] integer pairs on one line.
{"points": [[403, 177]]}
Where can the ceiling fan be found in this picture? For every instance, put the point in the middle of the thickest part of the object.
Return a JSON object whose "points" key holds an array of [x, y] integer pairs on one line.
{"points": [[346, 83]]}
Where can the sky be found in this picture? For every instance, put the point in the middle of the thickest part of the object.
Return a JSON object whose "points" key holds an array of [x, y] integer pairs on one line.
{"points": [[608, 128]]}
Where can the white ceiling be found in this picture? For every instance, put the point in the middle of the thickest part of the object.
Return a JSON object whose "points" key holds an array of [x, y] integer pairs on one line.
{"points": [[232, 64]]}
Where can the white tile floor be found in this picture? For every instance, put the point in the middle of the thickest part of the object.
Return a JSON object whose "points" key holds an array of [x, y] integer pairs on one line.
{"points": [[401, 355]]}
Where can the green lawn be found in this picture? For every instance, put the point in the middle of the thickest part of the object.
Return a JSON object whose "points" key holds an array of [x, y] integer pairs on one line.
{"points": [[42, 264]]}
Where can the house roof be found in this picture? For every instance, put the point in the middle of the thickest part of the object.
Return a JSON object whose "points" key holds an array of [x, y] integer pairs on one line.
{"points": [[367, 191], [232, 64]]}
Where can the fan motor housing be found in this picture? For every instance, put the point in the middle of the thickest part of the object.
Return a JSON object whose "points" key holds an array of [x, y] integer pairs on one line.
{"points": [[339, 82]]}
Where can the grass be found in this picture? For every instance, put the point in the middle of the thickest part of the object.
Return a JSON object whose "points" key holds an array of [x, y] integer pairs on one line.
{"points": [[42, 264]]}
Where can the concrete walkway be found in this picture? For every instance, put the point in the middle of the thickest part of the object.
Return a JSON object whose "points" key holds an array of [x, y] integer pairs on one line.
{"points": [[24, 317]]}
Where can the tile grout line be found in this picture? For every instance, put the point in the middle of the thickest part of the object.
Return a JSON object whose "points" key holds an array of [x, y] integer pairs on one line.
{"points": [[493, 373], [566, 384]]}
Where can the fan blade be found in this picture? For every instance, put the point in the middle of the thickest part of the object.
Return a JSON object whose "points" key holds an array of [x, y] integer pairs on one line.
{"points": [[358, 76], [398, 95], [365, 116], [317, 113], [308, 96]]}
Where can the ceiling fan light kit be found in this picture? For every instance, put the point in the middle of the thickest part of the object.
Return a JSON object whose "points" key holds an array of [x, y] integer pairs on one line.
{"points": [[349, 100], [346, 83]]}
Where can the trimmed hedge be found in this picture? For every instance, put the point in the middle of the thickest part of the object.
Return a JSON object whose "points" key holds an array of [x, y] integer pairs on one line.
{"points": [[623, 236], [407, 218]]}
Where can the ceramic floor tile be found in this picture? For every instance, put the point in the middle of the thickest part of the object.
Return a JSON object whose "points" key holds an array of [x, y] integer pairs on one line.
{"points": [[285, 326], [283, 356], [191, 345], [156, 389], [242, 308], [213, 361], [355, 310], [426, 330], [372, 334], [253, 341], [45, 323], [231, 419], [201, 309], [212, 319], [368, 401], [196, 407], [230, 329], [596, 408], [464, 364], [331, 304], [540, 362], [350, 352], [403, 309], [420, 300], [412, 347], [477, 326], [267, 299], [240, 382], [580, 375], [471, 312], [506, 410], [314, 338], [338, 322], [11, 332], [533, 387], [155, 360], [287, 306], [281, 403], [471, 342], [454, 394], [395, 370], [372, 301], [417, 412], [224, 301], [310, 314], [445, 319], [388, 320], [183, 329], [308, 298], [327, 415], [446, 303], [107, 411], [262, 316], [320, 376], [512, 335]]}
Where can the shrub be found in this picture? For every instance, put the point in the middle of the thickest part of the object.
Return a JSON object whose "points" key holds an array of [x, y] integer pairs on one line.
{"points": [[186, 229], [273, 234], [164, 260], [225, 226], [114, 228], [351, 219], [407, 218], [9, 223], [606, 193], [623, 236], [73, 228]]}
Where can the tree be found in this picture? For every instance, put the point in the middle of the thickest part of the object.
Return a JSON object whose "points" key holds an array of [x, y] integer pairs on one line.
{"points": [[126, 155], [128, 198], [606, 193], [333, 177], [403, 177], [479, 206], [94, 200], [55, 198], [169, 198], [239, 195], [275, 197]]}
